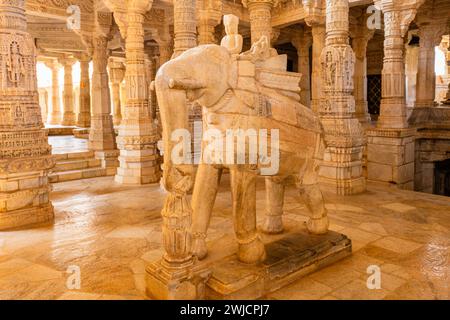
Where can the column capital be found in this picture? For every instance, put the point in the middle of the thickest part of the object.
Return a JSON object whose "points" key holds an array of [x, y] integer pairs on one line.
{"points": [[67, 61], [314, 12], [83, 57], [398, 14], [247, 3], [302, 40]]}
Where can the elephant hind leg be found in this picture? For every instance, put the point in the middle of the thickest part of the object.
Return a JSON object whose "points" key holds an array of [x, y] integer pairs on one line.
{"points": [[273, 222], [243, 186], [310, 192]]}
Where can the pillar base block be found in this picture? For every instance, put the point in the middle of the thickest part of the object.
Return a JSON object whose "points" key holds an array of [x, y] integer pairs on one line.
{"points": [[184, 283], [343, 187], [109, 160], [390, 157], [27, 217]]}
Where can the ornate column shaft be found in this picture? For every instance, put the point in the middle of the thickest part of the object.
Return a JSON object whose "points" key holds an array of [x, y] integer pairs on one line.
{"points": [[341, 170], [54, 113], [101, 134], [359, 44], [393, 103], [302, 44], [84, 115], [116, 75], [447, 97], [318, 35], [411, 65], [185, 25], [137, 134], [430, 37], [68, 118], [260, 18], [25, 155]]}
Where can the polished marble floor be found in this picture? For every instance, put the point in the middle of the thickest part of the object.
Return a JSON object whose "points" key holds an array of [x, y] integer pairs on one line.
{"points": [[110, 232], [67, 144]]}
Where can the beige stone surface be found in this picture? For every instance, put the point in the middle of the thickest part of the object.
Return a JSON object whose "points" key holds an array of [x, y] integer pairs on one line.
{"points": [[33, 263]]}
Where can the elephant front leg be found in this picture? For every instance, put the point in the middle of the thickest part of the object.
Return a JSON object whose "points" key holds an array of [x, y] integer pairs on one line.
{"points": [[273, 222], [243, 186], [309, 189], [204, 195]]}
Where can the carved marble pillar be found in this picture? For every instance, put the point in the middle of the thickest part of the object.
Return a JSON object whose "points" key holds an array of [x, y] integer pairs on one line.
{"points": [[302, 43], [54, 113], [390, 156], [447, 96], [165, 52], [318, 35], [341, 170], [137, 134], [84, 115], [411, 66], [43, 102], [315, 18], [25, 155], [68, 118], [359, 44], [430, 35], [393, 104], [116, 75], [101, 134], [260, 18], [185, 25], [209, 16]]}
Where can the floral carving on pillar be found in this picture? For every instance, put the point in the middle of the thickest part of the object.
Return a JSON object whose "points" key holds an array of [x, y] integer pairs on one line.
{"points": [[25, 155]]}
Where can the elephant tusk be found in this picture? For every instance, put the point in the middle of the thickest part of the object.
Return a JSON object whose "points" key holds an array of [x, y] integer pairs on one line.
{"points": [[185, 84]]}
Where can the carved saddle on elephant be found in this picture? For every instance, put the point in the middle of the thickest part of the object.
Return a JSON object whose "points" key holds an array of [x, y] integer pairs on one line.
{"points": [[267, 97]]}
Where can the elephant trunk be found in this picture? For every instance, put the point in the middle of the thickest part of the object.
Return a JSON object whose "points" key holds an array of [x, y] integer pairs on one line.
{"points": [[177, 177]]}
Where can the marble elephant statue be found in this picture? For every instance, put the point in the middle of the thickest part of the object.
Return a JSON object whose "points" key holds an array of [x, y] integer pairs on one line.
{"points": [[247, 91]]}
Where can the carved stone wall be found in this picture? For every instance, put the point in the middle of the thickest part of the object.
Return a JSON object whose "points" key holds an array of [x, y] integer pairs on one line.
{"points": [[25, 155]]}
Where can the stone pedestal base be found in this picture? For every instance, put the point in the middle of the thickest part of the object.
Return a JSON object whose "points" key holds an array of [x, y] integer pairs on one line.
{"points": [[24, 197], [184, 283], [289, 258], [109, 160], [138, 162], [28, 217], [390, 157]]}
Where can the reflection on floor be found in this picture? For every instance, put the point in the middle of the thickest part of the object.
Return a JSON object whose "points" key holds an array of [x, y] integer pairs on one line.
{"points": [[67, 144], [111, 232]]}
